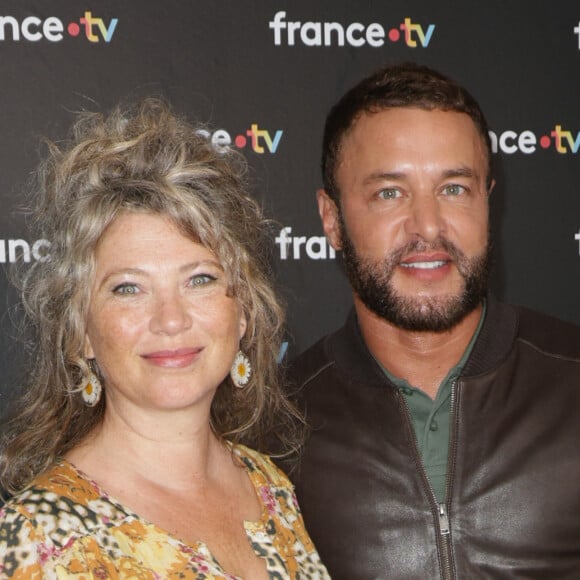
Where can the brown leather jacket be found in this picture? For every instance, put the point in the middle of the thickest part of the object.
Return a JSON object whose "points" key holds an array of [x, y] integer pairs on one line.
{"points": [[512, 506]]}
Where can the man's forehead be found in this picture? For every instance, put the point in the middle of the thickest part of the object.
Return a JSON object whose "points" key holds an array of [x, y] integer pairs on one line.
{"points": [[409, 124], [417, 114]]}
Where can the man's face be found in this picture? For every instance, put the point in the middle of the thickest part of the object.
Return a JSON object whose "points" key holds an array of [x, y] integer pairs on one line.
{"points": [[413, 217]]}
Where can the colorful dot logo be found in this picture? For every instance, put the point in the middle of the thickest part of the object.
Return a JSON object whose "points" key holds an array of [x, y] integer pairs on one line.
{"points": [[545, 142], [73, 29], [394, 35]]}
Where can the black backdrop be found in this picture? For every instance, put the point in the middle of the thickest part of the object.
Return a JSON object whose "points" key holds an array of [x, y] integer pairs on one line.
{"points": [[263, 75]]}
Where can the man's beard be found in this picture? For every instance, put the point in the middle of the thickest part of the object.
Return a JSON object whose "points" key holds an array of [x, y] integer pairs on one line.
{"points": [[372, 281]]}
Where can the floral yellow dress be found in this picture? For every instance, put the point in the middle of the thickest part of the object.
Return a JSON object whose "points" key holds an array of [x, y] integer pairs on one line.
{"points": [[64, 527]]}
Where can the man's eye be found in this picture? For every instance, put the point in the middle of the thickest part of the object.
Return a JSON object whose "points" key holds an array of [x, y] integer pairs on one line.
{"points": [[454, 189], [125, 289], [389, 193], [201, 279]]}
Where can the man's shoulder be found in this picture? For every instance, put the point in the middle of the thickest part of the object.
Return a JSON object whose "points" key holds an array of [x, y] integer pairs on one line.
{"points": [[313, 362], [341, 348], [548, 333]]}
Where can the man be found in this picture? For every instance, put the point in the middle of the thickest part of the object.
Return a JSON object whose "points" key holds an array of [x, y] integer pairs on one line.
{"points": [[445, 425]]}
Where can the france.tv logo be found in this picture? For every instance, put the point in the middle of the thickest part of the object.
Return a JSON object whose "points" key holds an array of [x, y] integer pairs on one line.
{"points": [[559, 139], [259, 139], [354, 34], [35, 29]]}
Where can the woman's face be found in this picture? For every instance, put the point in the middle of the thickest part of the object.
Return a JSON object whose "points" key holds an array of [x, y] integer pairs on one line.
{"points": [[160, 326]]}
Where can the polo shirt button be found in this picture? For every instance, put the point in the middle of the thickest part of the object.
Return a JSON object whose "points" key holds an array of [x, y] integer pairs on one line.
{"points": [[407, 391], [433, 426]]}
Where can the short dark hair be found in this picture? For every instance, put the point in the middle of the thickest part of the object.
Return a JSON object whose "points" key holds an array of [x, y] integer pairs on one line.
{"points": [[399, 85]]}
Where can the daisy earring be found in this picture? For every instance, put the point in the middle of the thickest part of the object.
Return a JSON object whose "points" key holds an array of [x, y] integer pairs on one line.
{"points": [[241, 370], [92, 388]]}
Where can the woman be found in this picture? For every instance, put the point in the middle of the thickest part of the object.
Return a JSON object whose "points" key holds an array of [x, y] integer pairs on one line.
{"points": [[157, 337]]}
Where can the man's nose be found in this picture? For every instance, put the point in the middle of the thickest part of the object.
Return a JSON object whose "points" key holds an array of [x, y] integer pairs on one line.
{"points": [[425, 219]]}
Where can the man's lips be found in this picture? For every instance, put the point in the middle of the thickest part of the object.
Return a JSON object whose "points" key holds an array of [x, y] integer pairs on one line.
{"points": [[177, 358], [424, 265], [426, 261]]}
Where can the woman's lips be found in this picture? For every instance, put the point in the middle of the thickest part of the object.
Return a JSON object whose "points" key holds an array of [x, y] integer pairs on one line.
{"points": [[179, 358]]}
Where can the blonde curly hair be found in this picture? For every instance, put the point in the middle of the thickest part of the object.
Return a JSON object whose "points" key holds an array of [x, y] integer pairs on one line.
{"points": [[141, 158]]}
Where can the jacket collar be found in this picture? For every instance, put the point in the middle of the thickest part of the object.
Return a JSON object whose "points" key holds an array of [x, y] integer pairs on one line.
{"points": [[347, 348]]}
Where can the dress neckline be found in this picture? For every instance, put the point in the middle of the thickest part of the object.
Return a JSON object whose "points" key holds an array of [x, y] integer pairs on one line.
{"points": [[256, 527]]}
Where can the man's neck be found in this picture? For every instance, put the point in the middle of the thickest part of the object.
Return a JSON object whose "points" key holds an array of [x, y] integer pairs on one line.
{"points": [[423, 359]]}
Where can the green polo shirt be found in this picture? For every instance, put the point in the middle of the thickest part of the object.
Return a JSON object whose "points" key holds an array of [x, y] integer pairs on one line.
{"points": [[431, 419]]}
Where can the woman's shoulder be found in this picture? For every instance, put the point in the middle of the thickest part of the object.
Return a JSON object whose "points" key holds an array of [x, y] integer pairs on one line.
{"points": [[60, 483], [38, 516], [54, 503], [260, 464]]}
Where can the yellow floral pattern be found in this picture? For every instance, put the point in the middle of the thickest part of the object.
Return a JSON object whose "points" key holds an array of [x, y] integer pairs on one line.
{"points": [[64, 527]]}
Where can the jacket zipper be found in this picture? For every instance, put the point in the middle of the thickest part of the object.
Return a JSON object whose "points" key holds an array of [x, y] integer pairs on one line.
{"points": [[443, 520], [446, 568], [440, 511], [444, 507]]}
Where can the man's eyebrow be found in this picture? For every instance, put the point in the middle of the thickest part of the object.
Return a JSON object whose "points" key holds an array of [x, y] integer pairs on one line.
{"points": [[384, 176], [460, 172], [401, 175]]}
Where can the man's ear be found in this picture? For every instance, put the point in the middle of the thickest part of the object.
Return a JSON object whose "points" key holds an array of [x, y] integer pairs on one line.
{"points": [[491, 186], [329, 216]]}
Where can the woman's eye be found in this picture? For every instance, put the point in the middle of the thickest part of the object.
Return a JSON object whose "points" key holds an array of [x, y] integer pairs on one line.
{"points": [[125, 289], [454, 189], [389, 193], [201, 279]]}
